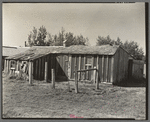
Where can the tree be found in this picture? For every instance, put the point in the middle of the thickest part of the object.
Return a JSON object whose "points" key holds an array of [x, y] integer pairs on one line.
{"points": [[43, 38], [37, 38], [132, 47]]}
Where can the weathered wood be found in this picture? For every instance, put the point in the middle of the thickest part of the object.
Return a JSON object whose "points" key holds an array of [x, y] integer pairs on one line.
{"points": [[112, 69], [30, 72], [39, 68], [46, 71], [5, 65], [79, 74], [53, 77], [102, 78], [43, 67], [17, 69], [106, 69], [84, 67], [84, 70], [9, 67], [97, 72], [75, 66], [76, 80], [69, 66]]}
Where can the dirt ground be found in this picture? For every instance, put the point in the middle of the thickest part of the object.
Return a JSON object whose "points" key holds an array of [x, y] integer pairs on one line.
{"points": [[21, 100]]}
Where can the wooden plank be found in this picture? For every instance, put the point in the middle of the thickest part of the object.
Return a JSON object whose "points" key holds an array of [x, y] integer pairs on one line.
{"points": [[91, 73], [84, 62], [49, 68], [97, 72], [9, 67], [72, 67], [30, 72], [46, 71], [76, 80], [75, 66], [53, 78], [112, 69], [84, 70], [56, 65], [43, 65], [79, 74], [102, 78], [5, 65], [69, 66], [63, 67], [107, 68], [39, 69]]}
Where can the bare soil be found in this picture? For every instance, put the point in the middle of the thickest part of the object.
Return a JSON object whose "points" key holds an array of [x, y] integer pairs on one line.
{"points": [[40, 100]]}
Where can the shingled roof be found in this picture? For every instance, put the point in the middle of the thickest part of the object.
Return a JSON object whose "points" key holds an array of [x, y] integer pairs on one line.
{"points": [[9, 51], [39, 51]]}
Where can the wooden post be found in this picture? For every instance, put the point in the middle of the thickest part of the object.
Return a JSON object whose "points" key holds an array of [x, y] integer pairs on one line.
{"points": [[53, 78], [30, 72], [79, 74], [97, 73], [112, 69], [76, 80], [94, 75], [17, 69], [102, 77], [46, 71]]}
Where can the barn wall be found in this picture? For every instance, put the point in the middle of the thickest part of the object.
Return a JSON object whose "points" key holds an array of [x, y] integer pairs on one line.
{"points": [[137, 69], [120, 65], [104, 66]]}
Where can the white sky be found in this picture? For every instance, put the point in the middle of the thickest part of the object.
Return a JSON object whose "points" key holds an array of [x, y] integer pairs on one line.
{"points": [[125, 20]]}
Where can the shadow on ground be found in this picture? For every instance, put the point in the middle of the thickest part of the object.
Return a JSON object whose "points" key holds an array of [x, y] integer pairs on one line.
{"points": [[133, 83]]}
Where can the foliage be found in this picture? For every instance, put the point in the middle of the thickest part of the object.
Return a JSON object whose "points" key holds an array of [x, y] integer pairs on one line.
{"points": [[131, 46], [43, 38]]}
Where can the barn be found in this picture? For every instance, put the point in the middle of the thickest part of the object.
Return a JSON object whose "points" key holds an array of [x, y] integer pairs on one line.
{"points": [[111, 62]]}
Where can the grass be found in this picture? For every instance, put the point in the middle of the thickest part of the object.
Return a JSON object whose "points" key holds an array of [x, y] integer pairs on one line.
{"points": [[21, 100]]}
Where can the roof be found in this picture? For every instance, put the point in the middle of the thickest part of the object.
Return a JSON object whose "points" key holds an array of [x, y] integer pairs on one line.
{"points": [[39, 51], [9, 51], [100, 50], [35, 52]]}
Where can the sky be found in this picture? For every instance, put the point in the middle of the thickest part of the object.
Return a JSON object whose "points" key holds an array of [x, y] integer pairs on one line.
{"points": [[123, 20]]}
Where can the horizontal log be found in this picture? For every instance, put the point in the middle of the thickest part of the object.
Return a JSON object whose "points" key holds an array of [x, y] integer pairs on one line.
{"points": [[83, 70]]}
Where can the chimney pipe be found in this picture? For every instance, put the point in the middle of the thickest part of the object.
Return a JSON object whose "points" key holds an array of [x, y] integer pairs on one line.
{"points": [[64, 43]]}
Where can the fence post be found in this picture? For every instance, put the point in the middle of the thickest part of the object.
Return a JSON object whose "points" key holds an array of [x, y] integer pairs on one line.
{"points": [[30, 72], [53, 78], [76, 80]]}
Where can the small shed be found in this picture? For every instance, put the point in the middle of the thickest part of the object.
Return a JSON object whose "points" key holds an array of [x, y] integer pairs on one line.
{"points": [[10, 51], [111, 62]]}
